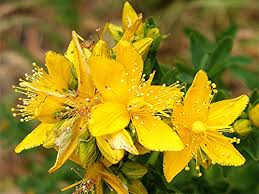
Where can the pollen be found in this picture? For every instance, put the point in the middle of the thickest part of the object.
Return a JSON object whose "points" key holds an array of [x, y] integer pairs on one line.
{"points": [[198, 127]]}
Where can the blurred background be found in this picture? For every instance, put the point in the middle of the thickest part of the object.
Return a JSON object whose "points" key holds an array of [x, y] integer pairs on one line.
{"points": [[29, 28]]}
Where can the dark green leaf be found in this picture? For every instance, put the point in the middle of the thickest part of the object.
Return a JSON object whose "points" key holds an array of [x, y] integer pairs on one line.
{"points": [[229, 32], [200, 46], [219, 55], [250, 78]]}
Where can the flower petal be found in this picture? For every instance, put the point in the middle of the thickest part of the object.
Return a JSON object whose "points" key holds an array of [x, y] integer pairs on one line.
{"points": [[68, 143], [112, 155], [161, 97], [77, 56], [221, 151], [131, 31], [121, 140], [45, 108], [198, 97], [156, 135], [143, 46], [101, 49], [225, 112], [108, 118], [35, 138], [175, 162], [129, 16], [59, 70], [129, 57], [179, 118], [110, 78]]}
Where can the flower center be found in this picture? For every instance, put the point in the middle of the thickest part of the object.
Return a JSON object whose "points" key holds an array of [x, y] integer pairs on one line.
{"points": [[198, 127]]}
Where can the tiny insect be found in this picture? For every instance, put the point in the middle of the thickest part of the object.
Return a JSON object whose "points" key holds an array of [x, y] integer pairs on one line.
{"points": [[88, 44]]}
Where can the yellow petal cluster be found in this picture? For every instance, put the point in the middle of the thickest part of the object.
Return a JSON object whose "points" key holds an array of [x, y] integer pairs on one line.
{"points": [[200, 124], [95, 105]]}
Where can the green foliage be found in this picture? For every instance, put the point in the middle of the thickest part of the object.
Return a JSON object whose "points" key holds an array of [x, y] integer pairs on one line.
{"points": [[215, 58]]}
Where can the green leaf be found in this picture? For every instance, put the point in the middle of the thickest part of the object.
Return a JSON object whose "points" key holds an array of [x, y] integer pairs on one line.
{"points": [[196, 50], [230, 32], [149, 24], [221, 95], [254, 97], [200, 46], [250, 78], [251, 144], [219, 55], [169, 75], [238, 61]]}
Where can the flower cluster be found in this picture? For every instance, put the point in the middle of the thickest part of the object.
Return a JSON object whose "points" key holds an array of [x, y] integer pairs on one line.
{"points": [[96, 108]]}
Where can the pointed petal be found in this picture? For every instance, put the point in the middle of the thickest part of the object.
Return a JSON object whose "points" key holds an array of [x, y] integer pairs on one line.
{"points": [[129, 16], [129, 57], [101, 49], [179, 118], [132, 30], [45, 108], [162, 97], [155, 135], [175, 162], [121, 140], [110, 78], [59, 69], [198, 97], [35, 138], [77, 56], [112, 155], [65, 151], [143, 46], [225, 112], [221, 151], [108, 118], [114, 182]]}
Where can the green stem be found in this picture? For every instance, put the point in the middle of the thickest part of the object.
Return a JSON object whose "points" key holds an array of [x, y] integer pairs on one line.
{"points": [[153, 158]]}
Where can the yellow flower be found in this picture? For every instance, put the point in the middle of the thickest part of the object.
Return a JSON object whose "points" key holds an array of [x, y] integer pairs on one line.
{"points": [[200, 124], [61, 99], [132, 30], [93, 180], [128, 97]]}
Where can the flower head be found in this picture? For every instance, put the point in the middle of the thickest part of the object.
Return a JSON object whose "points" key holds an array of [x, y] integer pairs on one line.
{"points": [[128, 97], [201, 125], [61, 98]]}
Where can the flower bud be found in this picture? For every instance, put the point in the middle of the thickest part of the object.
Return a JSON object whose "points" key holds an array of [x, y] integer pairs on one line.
{"points": [[254, 115], [136, 187], [143, 46], [153, 33], [129, 16], [87, 152], [242, 127], [132, 30], [112, 155], [133, 170], [115, 31]]}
